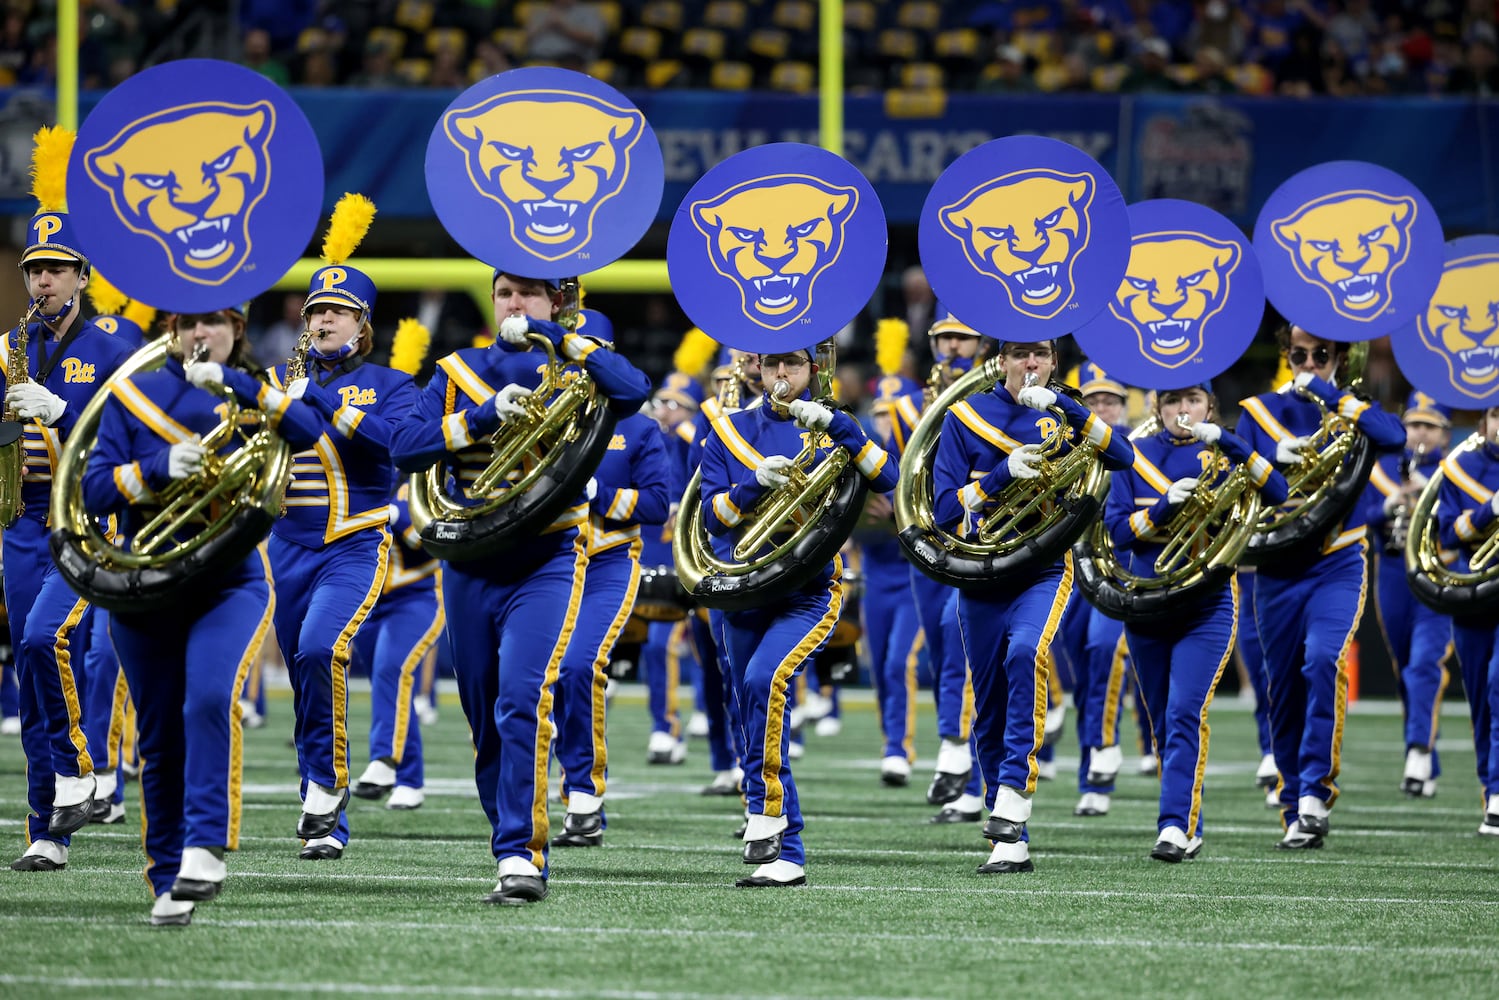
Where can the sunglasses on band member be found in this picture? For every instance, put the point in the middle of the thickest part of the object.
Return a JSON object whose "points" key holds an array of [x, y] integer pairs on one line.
{"points": [[1320, 356]]}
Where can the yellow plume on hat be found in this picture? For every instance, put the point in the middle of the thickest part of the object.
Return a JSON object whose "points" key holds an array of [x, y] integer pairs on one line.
{"points": [[141, 315], [107, 299], [351, 220], [890, 339], [49, 167], [409, 348], [694, 353]]}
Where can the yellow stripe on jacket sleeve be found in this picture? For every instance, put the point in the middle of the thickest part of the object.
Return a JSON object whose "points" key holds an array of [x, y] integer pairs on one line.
{"points": [[1351, 407], [972, 497], [1259, 469], [1381, 479], [274, 402], [985, 430], [726, 511], [623, 504], [346, 420], [1464, 527], [455, 433], [1141, 524], [871, 459], [464, 377], [577, 348], [148, 413], [741, 449], [1098, 432], [1146, 470], [1465, 482], [131, 483], [1260, 414]]}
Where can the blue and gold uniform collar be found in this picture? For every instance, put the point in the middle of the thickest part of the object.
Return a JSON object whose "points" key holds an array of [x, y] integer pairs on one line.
{"points": [[325, 375], [1164, 434]]}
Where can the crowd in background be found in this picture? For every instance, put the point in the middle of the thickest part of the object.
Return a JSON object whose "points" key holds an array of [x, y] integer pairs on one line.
{"points": [[1287, 47]]}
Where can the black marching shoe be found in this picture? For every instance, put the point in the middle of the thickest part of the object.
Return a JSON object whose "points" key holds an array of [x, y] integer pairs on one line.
{"points": [[762, 882], [952, 815], [581, 830], [42, 856], [68, 820], [1002, 830], [1305, 835], [762, 852], [311, 826], [1168, 852], [946, 788], [1007, 867], [321, 849], [518, 890], [195, 889]]}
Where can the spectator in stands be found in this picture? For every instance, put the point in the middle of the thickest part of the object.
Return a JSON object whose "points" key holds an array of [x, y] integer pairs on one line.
{"points": [[15, 47], [1210, 72], [1479, 73], [1272, 25], [1148, 75], [318, 69], [276, 342], [1010, 75], [257, 56], [920, 304], [491, 58], [1299, 74], [281, 20], [1354, 27], [1220, 27], [447, 69], [378, 69], [565, 32]]}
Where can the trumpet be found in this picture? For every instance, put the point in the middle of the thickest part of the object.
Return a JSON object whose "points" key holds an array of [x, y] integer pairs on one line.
{"points": [[13, 452], [1401, 520]]}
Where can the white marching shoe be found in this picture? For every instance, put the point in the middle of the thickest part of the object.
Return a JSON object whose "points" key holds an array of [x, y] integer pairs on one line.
{"points": [[828, 725], [697, 725], [169, 912], [42, 856], [1092, 804], [1417, 772], [248, 717], [1489, 827], [1148, 765], [1104, 764], [1267, 774], [818, 706], [660, 748], [10, 725], [895, 771], [200, 875], [405, 797], [426, 711]]}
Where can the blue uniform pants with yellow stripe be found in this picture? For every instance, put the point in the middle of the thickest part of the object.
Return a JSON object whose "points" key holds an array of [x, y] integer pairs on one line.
{"points": [[106, 699], [608, 596], [1477, 645], [185, 670], [323, 597], [506, 640], [1007, 639], [661, 663], [1253, 655], [951, 689], [714, 693], [48, 633], [1178, 665], [1306, 624], [1419, 639], [957, 694], [767, 647], [892, 635], [1099, 691], [401, 631]]}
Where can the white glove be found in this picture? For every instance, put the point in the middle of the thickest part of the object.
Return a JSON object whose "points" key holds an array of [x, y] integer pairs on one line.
{"points": [[1024, 462], [1303, 379], [185, 458], [207, 373], [1390, 503], [809, 415], [593, 487], [297, 388], [771, 472], [507, 401], [392, 514], [1288, 451], [1180, 490], [1494, 503], [1037, 397], [33, 401], [1205, 432], [513, 330]]}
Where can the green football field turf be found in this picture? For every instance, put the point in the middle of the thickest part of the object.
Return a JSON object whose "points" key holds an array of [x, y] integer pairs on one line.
{"points": [[1404, 900]]}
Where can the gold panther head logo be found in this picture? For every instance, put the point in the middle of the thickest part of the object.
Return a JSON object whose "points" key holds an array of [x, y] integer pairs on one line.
{"points": [[1462, 322], [1350, 244], [772, 236], [1026, 229], [1174, 284], [189, 177], [550, 159]]}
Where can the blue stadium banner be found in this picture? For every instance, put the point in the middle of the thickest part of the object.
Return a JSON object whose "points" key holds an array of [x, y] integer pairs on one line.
{"points": [[1228, 154]]}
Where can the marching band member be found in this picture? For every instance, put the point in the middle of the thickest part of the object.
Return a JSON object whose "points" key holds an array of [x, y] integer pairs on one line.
{"points": [[329, 551], [1098, 684], [1467, 509], [403, 628], [628, 490], [1178, 663], [746, 456], [986, 442], [185, 667], [510, 618], [956, 786], [67, 359], [1307, 611], [1418, 637]]}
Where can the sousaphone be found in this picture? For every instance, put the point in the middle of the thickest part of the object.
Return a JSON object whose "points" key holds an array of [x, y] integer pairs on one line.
{"points": [[576, 196], [775, 250]]}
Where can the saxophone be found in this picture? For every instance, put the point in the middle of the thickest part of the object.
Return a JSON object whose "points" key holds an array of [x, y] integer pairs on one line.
{"points": [[296, 367], [1401, 521], [13, 451]]}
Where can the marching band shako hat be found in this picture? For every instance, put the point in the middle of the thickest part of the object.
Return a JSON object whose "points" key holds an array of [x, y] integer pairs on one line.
{"points": [[1092, 378], [544, 173], [949, 324], [195, 183], [1448, 353], [1187, 305], [1350, 250], [49, 235], [1024, 238], [1422, 409], [682, 389], [336, 281], [776, 248]]}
